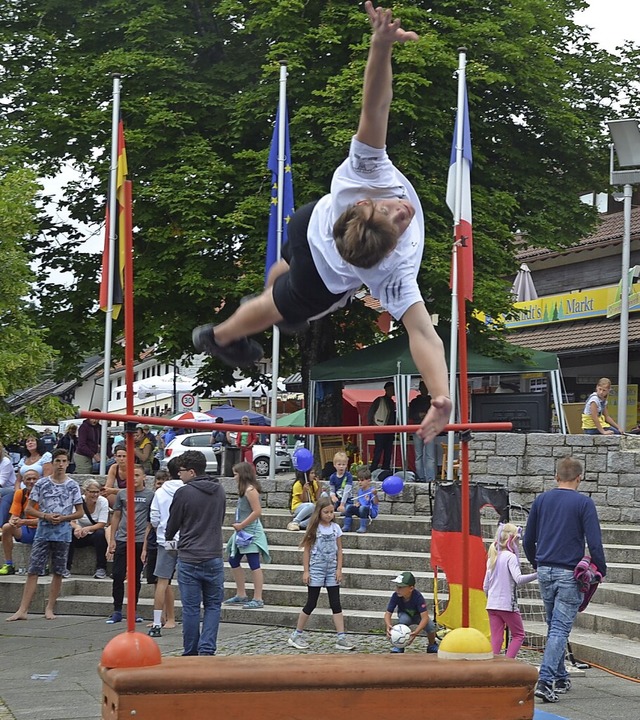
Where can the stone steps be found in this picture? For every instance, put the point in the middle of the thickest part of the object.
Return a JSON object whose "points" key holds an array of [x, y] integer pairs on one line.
{"points": [[603, 633]]}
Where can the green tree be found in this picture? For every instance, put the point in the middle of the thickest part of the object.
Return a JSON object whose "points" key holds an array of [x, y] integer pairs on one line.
{"points": [[23, 353], [199, 97]]}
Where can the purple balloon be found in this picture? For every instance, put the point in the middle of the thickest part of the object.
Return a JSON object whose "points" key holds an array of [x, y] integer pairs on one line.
{"points": [[393, 485], [302, 459]]}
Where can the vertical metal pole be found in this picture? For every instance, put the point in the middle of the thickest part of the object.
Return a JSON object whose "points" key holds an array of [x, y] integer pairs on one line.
{"points": [[623, 357], [113, 225], [275, 354]]}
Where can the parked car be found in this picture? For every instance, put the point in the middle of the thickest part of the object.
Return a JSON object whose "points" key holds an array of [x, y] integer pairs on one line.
{"points": [[202, 441]]}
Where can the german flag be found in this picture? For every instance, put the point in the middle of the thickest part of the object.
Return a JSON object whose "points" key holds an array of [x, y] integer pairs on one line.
{"points": [[446, 549], [119, 247]]}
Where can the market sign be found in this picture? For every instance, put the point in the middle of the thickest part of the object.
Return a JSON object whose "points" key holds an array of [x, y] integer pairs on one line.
{"points": [[574, 305]]}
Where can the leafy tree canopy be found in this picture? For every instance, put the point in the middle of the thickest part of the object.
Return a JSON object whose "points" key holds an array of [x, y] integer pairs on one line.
{"points": [[199, 94], [23, 353]]}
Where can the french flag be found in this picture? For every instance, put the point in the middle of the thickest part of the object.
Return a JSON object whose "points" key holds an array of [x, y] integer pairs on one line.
{"points": [[463, 229]]}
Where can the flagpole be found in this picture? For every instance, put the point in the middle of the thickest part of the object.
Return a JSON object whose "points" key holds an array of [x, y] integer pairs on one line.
{"points": [[462, 337], [455, 261], [275, 347], [113, 223]]}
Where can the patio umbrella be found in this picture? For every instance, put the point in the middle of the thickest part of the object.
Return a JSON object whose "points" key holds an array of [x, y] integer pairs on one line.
{"points": [[523, 288], [194, 416], [233, 415], [294, 419]]}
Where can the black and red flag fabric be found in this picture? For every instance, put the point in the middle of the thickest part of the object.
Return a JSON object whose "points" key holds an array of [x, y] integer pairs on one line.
{"points": [[446, 549], [119, 246]]}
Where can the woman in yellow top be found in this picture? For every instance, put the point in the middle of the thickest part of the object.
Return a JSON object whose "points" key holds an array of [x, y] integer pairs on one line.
{"points": [[143, 451], [305, 492], [595, 416]]}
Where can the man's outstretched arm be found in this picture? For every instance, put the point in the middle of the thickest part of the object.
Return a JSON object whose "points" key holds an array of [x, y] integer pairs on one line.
{"points": [[377, 89], [427, 352]]}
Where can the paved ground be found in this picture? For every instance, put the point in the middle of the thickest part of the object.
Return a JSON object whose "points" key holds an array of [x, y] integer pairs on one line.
{"points": [[71, 647]]}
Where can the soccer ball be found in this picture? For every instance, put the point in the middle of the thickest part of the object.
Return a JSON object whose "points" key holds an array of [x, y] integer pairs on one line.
{"points": [[400, 635]]}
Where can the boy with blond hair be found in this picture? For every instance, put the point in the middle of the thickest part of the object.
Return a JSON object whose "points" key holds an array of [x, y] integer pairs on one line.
{"points": [[369, 230], [340, 482]]}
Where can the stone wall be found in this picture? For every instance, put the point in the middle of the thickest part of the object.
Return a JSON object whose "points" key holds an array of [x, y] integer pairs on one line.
{"points": [[524, 463]]}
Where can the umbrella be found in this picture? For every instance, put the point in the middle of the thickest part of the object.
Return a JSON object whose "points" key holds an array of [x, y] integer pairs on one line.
{"points": [[193, 416], [294, 419], [165, 384], [233, 415], [523, 288]]}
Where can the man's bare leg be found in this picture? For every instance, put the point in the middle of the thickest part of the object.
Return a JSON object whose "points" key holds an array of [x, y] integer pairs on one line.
{"points": [[27, 596], [252, 317], [54, 592], [169, 608]]}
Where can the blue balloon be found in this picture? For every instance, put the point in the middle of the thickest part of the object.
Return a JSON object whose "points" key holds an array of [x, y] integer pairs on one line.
{"points": [[393, 485], [302, 459]]}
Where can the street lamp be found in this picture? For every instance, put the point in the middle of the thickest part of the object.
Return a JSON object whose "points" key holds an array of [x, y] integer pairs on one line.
{"points": [[626, 143]]}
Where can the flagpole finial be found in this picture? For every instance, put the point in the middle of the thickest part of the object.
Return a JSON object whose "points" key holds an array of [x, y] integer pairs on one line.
{"points": [[462, 49], [116, 76]]}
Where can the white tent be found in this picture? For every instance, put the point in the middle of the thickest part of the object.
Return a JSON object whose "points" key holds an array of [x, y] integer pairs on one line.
{"points": [[163, 385]]}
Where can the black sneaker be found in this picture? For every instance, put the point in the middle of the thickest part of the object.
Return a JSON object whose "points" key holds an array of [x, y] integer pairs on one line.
{"points": [[241, 353], [562, 686], [545, 692], [155, 631]]}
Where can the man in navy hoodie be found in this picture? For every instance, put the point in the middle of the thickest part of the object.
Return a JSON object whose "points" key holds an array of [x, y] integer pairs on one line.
{"points": [[197, 513], [559, 522]]}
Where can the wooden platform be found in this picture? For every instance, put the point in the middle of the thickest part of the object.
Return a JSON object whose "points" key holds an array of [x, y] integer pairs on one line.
{"points": [[377, 687]]}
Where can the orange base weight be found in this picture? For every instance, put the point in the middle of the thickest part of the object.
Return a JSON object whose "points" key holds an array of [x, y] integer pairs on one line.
{"points": [[130, 649], [303, 687]]}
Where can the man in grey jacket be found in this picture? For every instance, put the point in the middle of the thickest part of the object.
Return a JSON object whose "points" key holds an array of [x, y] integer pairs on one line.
{"points": [[197, 513]]}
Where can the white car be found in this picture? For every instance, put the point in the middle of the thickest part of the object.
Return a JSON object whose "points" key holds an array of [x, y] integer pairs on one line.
{"points": [[202, 441]]}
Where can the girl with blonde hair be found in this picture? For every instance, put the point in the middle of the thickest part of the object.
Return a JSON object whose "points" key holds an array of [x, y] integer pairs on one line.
{"points": [[501, 580]]}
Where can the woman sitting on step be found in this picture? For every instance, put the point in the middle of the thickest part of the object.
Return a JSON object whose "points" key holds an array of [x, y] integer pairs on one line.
{"points": [[304, 494], [89, 530]]}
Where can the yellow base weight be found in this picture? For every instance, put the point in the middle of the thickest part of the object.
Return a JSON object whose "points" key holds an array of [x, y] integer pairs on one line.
{"points": [[465, 644]]}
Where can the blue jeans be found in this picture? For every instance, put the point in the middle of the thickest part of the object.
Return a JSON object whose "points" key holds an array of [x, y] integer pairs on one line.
{"points": [[426, 462], [201, 583], [561, 599], [406, 619], [302, 514]]}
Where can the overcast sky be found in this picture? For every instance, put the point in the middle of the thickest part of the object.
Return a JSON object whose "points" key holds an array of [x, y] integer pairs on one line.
{"points": [[613, 21]]}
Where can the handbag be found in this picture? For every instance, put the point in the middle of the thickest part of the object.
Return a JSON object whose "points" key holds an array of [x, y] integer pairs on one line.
{"points": [[243, 538]]}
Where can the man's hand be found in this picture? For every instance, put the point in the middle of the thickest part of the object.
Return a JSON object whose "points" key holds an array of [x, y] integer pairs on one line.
{"points": [[385, 27], [436, 419]]}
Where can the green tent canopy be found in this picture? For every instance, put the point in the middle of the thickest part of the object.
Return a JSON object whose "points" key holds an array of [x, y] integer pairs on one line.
{"points": [[392, 357], [294, 419]]}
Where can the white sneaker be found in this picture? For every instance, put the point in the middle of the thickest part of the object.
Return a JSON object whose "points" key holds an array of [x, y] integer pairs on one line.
{"points": [[296, 641], [293, 526], [101, 574], [343, 644]]}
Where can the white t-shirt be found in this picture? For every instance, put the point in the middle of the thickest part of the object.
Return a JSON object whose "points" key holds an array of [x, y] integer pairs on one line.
{"points": [[369, 173], [100, 514], [7, 473]]}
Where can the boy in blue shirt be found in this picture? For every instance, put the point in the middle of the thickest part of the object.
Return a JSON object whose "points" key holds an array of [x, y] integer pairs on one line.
{"points": [[365, 505], [412, 610], [340, 482], [59, 502]]}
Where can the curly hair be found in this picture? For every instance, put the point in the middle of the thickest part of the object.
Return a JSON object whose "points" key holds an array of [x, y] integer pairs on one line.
{"points": [[363, 237]]}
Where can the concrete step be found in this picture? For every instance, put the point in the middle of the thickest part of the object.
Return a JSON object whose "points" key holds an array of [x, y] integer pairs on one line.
{"points": [[622, 655]]}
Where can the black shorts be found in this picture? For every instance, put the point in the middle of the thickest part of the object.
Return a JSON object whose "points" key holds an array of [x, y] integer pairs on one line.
{"points": [[300, 293]]}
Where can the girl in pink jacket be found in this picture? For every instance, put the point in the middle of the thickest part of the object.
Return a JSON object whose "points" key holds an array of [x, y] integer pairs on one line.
{"points": [[500, 583]]}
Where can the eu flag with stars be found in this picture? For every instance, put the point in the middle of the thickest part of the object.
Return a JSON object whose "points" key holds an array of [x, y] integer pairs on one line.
{"points": [[286, 191]]}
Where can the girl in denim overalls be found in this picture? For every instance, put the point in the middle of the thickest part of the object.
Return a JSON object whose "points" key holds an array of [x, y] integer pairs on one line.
{"points": [[322, 567]]}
